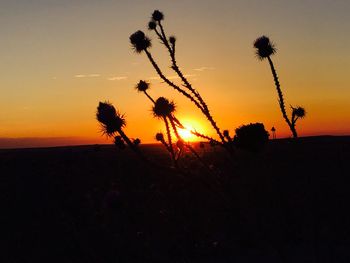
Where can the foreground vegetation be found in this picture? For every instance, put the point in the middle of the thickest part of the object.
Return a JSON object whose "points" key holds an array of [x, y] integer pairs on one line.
{"points": [[100, 204]]}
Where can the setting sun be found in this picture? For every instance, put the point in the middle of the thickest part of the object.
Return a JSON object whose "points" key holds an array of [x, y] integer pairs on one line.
{"points": [[190, 126]]}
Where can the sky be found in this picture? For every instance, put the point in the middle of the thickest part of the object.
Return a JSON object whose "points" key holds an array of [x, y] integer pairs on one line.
{"points": [[59, 58]]}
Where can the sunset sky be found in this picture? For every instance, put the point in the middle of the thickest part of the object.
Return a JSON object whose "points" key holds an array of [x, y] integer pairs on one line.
{"points": [[59, 58]]}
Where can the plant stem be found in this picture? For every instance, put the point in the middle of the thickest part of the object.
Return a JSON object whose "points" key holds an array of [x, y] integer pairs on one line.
{"points": [[131, 145], [281, 100], [199, 106], [170, 143]]}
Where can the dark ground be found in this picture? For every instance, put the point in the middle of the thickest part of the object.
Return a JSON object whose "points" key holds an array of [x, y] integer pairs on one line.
{"points": [[97, 204]]}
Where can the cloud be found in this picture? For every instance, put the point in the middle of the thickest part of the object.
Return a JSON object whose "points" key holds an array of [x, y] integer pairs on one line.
{"points": [[117, 78], [204, 68], [87, 75], [174, 77]]}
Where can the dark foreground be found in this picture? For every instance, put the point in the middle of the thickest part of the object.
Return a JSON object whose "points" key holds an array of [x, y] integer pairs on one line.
{"points": [[97, 204]]}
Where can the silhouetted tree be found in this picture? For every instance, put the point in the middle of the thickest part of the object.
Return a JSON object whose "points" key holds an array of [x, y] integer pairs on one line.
{"points": [[265, 49]]}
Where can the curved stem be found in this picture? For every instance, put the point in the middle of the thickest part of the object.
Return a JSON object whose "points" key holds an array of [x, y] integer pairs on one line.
{"points": [[199, 106], [281, 99], [131, 144], [148, 96], [167, 81]]}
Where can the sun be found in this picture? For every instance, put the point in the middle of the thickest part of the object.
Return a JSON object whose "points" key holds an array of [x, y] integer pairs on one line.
{"points": [[186, 133]]}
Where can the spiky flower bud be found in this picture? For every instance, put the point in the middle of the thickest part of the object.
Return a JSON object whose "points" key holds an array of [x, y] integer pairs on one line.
{"points": [[157, 15], [163, 107], [140, 41], [226, 133], [264, 47], [142, 86], [110, 119], [137, 141], [299, 112], [172, 40], [159, 137], [152, 25]]}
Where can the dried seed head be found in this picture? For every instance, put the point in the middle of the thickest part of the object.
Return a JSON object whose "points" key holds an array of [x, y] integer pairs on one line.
{"points": [[157, 15], [111, 120], [140, 41], [137, 141], [152, 25], [163, 107], [226, 133], [264, 47], [142, 86], [299, 112], [159, 137], [172, 40]]}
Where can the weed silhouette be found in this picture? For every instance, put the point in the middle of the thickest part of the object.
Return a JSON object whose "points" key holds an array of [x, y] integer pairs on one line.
{"points": [[141, 43], [264, 50]]}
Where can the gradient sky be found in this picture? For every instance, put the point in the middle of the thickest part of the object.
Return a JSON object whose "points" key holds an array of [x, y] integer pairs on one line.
{"points": [[59, 58]]}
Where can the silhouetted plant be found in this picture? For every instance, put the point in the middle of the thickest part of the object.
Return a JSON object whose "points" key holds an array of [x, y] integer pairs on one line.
{"points": [[140, 43], [251, 137], [113, 122], [273, 129], [164, 109], [119, 142], [265, 49]]}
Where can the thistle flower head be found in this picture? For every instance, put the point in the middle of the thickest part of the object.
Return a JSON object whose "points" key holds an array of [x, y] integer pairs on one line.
{"points": [[264, 47], [159, 137], [226, 133], [137, 141], [152, 25], [140, 41], [299, 112], [142, 86], [163, 107], [111, 120], [157, 15], [172, 40]]}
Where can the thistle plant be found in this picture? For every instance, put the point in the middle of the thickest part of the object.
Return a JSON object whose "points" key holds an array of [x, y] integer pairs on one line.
{"points": [[141, 43], [264, 50], [112, 123]]}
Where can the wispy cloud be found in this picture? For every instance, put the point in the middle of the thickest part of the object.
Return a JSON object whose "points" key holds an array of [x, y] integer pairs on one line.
{"points": [[117, 78], [174, 77], [87, 75], [204, 68]]}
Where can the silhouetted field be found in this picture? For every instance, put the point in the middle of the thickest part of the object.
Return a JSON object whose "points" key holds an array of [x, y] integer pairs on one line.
{"points": [[99, 204]]}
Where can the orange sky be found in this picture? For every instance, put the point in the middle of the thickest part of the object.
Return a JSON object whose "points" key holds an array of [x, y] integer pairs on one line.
{"points": [[59, 59]]}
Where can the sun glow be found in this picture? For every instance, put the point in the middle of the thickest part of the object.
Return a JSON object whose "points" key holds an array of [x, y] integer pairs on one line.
{"points": [[186, 133]]}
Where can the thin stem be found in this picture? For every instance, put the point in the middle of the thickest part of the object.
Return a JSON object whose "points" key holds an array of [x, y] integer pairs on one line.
{"points": [[131, 144], [281, 99], [148, 96], [167, 81], [199, 106], [170, 144]]}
